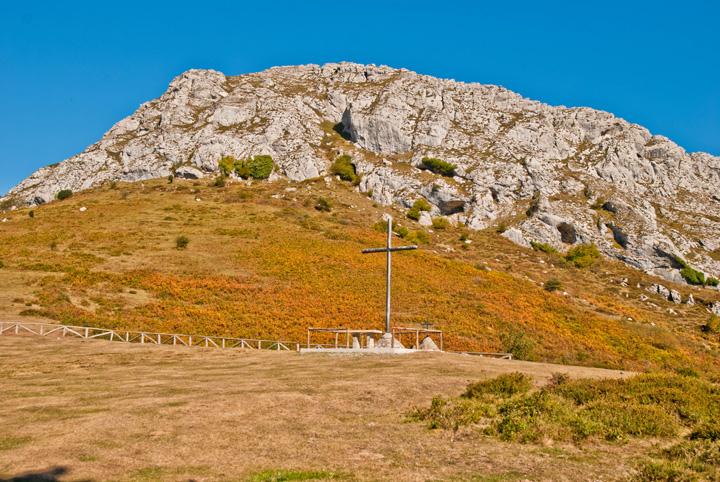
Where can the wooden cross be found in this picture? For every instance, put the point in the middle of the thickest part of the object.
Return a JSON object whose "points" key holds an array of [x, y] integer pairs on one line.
{"points": [[388, 250]]}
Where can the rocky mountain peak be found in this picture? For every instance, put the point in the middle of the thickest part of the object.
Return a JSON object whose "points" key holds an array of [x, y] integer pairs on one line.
{"points": [[543, 174]]}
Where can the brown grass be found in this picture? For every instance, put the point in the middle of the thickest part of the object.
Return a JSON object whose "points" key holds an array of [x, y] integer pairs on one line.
{"points": [[110, 411]]}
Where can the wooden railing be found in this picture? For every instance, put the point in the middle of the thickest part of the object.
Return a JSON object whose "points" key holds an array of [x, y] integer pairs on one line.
{"points": [[502, 356], [143, 337]]}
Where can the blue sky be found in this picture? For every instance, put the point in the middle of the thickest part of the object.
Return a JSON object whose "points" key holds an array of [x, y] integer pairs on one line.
{"points": [[70, 70]]}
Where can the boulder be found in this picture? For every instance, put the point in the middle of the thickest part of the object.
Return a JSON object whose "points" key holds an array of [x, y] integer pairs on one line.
{"points": [[675, 297], [189, 172], [660, 290], [425, 219], [427, 344]]}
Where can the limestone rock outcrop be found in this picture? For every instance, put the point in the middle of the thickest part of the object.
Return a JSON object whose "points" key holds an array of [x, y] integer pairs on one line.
{"points": [[553, 174]]}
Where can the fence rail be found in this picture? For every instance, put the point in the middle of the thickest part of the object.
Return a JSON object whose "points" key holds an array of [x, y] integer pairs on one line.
{"points": [[143, 337], [502, 356]]}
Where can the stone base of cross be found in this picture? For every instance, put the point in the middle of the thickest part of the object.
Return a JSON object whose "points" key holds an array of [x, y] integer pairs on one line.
{"points": [[387, 338]]}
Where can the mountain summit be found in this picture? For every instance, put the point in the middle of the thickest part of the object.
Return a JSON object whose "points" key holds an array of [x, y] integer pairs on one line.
{"points": [[543, 175]]}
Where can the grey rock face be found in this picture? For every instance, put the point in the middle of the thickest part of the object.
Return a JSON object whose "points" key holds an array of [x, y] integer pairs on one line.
{"points": [[660, 290], [599, 178], [675, 297]]}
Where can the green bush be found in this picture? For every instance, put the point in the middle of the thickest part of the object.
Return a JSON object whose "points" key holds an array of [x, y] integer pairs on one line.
{"points": [[709, 430], [258, 167], [323, 205], [227, 165], [417, 237], [544, 247], [505, 386], [650, 405], [181, 242], [689, 274], [402, 231], [553, 284], [440, 223], [64, 194], [380, 226], [518, 344], [583, 255], [687, 461], [417, 207], [422, 205], [712, 282], [438, 166], [219, 181], [692, 276], [344, 168], [712, 325], [450, 414]]}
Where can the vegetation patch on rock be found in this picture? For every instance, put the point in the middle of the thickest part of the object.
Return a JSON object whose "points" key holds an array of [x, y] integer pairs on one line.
{"points": [[438, 166], [583, 255], [344, 168], [64, 194], [418, 206]]}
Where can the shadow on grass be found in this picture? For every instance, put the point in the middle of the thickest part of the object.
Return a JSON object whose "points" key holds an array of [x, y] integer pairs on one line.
{"points": [[49, 475]]}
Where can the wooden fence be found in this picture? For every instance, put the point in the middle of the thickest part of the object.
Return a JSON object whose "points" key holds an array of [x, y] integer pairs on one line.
{"points": [[143, 337]]}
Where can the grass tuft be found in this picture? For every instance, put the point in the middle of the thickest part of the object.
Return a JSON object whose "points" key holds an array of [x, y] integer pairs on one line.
{"points": [[291, 475]]}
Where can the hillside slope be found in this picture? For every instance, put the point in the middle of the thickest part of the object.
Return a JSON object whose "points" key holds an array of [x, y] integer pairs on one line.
{"points": [[263, 262], [547, 174]]}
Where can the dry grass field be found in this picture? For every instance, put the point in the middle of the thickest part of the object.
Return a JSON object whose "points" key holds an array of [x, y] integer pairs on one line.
{"points": [[95, 410]]}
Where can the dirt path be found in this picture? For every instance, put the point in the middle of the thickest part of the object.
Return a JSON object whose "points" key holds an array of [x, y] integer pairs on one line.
{"points": [[103, 410]]}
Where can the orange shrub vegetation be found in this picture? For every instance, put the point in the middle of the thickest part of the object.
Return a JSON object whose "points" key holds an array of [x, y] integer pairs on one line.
{"points": [[269, 270]]}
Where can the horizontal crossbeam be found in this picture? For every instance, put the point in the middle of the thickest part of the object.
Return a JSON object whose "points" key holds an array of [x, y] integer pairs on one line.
{"points": [[385, 250]]}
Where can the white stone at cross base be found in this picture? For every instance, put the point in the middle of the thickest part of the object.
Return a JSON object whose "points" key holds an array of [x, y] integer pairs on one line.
{"points": [[428, 345], [386, 342]]}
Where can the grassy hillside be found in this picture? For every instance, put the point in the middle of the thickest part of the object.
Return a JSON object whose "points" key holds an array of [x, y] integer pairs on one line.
{"points": [[263, 262]]}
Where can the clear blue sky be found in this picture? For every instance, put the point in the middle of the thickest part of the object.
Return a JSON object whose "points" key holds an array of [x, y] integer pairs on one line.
{"points": [[69, 70]]}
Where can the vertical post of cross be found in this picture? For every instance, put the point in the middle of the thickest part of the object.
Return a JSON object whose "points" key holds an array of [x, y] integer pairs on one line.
{"points": [[388, 273]]}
